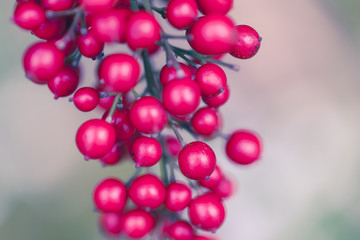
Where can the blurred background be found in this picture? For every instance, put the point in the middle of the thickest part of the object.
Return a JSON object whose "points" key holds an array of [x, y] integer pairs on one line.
{"points": [[300, 93]]}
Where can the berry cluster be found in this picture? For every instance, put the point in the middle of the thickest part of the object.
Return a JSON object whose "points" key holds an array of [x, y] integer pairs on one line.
{"points": [[135, 122]]}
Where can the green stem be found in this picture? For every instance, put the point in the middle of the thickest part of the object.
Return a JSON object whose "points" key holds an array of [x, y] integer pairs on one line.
{"points": [[134, 5], [177, 133], [150, 79], [161, 11], [163, 170], [113, 108], [147, 5], [131, 179]]}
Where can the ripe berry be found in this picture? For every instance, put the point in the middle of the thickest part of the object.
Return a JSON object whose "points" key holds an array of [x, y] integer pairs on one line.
{"points": [[205, 121], [181, 96], [247, 44], [178, 197], [65, 44], [110, 195], [110, 223], [146, 151], [143, 30], [207, 212], [197, 160], [215, 6], [112, 157], [120, 72], [58, 5], [106, 102], [50, 29], [148, 115], [225, 188], [64, 82], [212, 34], [217, 100], [137, 223], [97, 5], [181, 230], [147, 191], [243, 147], [121, 122], [172, 146], [88, 45], [42, 61], [181, 13], [214, 179], [86, 99], [202, 238], [211, 79], [95, 138], [168, 74], [29, 15]]}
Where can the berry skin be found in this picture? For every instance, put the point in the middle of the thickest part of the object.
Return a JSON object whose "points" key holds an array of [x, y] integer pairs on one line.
{"points": [[214, 179], [247, 44], [181, 230], [65, 44], [86, 99], [197, 160], [207, 212], [110, 223], [202, 238], [110, 195], [148, 115], [29, 15], [181, 13], [137, 223], [211, 79], [112, 157], [172, 146], [42, 61], [243, 147], [147, 191], [146, 151], [168, 74], [95, 138], [121, 122], [217, 100], [50, 29], [205, 121], [88, 45], [120, 72], [97, 5], [58, 5], [64, 82], [212, 34], [178, 197], [225, 188], [215, 6], [181, 96], [143, 31]]}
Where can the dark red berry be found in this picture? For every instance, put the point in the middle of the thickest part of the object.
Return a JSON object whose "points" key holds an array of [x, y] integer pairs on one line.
{"points": [[29, 15], [121, 122], [214, 179], [86, 99], [112, 157], [58, 5], [168, 74], [65, 44], [215, 6], [137, 223], [248, 42], [211, 79], [178, 196], [202, 238], [181, 13], [64, 82], [217, 100], [243, 147], [146, 151], [181, 230], [89, 45], [110, 223], [205, 121], [50, 29], [110, 195], [172, 146]]}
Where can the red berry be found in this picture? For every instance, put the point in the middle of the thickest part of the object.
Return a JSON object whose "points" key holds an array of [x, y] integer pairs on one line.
{"points": [[110, 223], [211, 79], [205, 121], [197, 160], [172, 146], [97, 5], [137, 223], [146, 151], [51, 28], [121, 122], [95, 138], [42, 61], [202, 238], [215, 6], [123, 4], [181, 96], [86, 99], [29, 15], [181, 13], [181, 230], [207, 212], [248, 42], [112, 157], [147, 191], [243, 147], [106, 102], [212, 34], [110, 195], [143, 31], [88, 44], [148, 115], [219, 99], [225, 188], [178, 197], [64, 82], [120, 72], [168, 74], [58, 5], [65, 44], [214, 179]]}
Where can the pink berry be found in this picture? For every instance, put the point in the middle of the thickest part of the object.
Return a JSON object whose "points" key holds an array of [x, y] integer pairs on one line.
{"points": [[215, 6], [110, 223], [121, 122], [95, 138], [214, 179], [97, 5], [205, 121], [88, 45], [146, 151], [106, 102], [137, 223], [50, 29], [110, 195], [225, 188], [181, 230], [168, 74], [58, 5], [197, 160], [172, 146], [181, 13], [202, 238], [65, 44], [248, 42], [86, 99], [217, 100], [243, 147], [64, 82], [29, 15], [178, 196], [211, 79], [113, 156]]}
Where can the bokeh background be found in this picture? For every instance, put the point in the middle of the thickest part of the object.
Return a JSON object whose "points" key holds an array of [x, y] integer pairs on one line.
{"points": [[300, 92]]}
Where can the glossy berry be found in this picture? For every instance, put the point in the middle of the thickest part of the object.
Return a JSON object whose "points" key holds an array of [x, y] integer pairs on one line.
{"points": [[121, 122], [95, 138], [205, 121], [110, 195], [88, 45], [97, 5], [197, 160], [207, 212], [243, 147], [146, 151], [214, 179], [247, 44], [212, 34], [137, 223], [172, 146], [181, 97], [113, 156], [148, 115], [86, 99], [168, 74], [181, 230], [58, 5], [225, 188], [42, 61], [50, 29], [143, 31], [215, 6], [110, 223], [211, 79], [29, 15], [147, 191], [181, 13], [64, 82], [178, 196], [120, 72], [218, 100]]}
